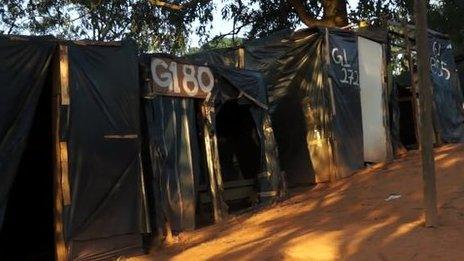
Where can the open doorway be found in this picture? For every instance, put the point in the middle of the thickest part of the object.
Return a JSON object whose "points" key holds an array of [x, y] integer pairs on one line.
{"points": [[28, 232], [407, 119], [239, 154]]}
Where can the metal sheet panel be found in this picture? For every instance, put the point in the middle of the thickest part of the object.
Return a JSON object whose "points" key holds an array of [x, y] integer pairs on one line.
{"points": [[371, 83]]}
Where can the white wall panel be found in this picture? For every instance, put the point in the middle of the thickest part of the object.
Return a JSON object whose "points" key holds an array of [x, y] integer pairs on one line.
{"points": [[373, 115]]}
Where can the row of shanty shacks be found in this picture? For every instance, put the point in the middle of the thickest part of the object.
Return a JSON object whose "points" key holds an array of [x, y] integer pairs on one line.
{"points": [[102, 151]]}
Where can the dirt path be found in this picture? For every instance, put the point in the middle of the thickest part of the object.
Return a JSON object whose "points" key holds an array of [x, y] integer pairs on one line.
{"points": [[348, 220]]}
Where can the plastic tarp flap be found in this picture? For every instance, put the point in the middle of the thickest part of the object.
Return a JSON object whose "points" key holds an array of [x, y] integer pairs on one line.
{"points": [[394, 113], [298, 85], [23, 69], [261, 52], [105, 218], [459, 60], [298, 105], [227, 57], [446, 89], [174, 150], [347, 123], [252, 83], [247, 81]]}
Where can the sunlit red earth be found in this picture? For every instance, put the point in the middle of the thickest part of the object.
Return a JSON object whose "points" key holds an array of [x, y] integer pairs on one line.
{"points": [[348, 220]]}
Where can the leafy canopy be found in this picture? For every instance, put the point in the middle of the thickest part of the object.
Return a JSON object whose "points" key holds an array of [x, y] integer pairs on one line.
{"points": [[166, 25]]}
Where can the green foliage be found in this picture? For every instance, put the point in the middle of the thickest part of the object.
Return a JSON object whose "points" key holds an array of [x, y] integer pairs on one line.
{"points": [[164, 30], [216, 43], [263, 17], [153, 28], [380, 11], [222, 43], [446, 17]]}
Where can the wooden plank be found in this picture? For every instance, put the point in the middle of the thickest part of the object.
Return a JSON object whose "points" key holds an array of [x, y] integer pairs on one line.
{"points": [[412, 28], [66, 191], [64, 75], [120, 136], [217, 215], [232, 194], [333, 170], [223, 208], [239, 193], [385, 98], [60, 246], [414, 103], [241, 57], [239, 183]]}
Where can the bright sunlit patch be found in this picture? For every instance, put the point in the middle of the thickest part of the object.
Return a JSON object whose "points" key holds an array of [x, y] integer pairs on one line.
{"points": [[402, 230], [314, 246], [442, 156], [361, 233]]}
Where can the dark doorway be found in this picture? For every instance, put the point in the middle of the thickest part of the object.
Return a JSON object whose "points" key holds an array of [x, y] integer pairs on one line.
{"points": [[407, 118], [239, 154], [28, 233]]}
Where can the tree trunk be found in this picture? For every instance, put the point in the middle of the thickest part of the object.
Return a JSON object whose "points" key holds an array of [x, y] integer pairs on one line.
{"points": [[426, 129], [335, 13]]}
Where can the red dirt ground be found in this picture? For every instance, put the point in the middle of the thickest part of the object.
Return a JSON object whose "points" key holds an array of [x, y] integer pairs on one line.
{"points": [[348, 220]]}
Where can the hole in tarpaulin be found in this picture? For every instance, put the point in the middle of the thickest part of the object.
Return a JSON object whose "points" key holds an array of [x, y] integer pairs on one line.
{"points": [[239, 154], [27, 232]]}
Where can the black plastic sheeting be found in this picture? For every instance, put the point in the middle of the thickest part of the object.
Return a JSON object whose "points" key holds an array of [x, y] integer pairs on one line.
{"points": [[226, 57], [107, 214], [347, 124], [23, 69], [317, 125], [394, 117], [231, 85], [446, 90], [177, 155], [106, 217], [175, 159], [459, 61]]}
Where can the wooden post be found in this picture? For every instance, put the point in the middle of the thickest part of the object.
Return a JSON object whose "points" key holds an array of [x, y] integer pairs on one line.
{"points": [[212, 168], [60, 96], [241, 58], [426, 128], [414, 89], [332, 142]]}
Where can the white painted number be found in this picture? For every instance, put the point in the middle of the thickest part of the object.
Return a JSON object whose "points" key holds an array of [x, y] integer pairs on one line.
{"points": [[165, 78], [190, 80], [208, 87], [438, 66], [189, 77], [350, 76]]}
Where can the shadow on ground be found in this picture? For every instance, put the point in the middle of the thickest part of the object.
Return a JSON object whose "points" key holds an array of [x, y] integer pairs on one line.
{"points": [[348, 219]]}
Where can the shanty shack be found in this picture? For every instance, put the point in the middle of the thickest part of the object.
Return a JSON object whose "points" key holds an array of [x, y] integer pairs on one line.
{"points": [[448, 112], [100, 148], [318, 92], [210, 142], [70, 150], [336, 100]]}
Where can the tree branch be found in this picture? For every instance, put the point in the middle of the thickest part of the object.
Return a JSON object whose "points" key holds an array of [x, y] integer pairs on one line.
{"points": [[231, 33], [305, 16], [176, 7], [335, 13]]}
